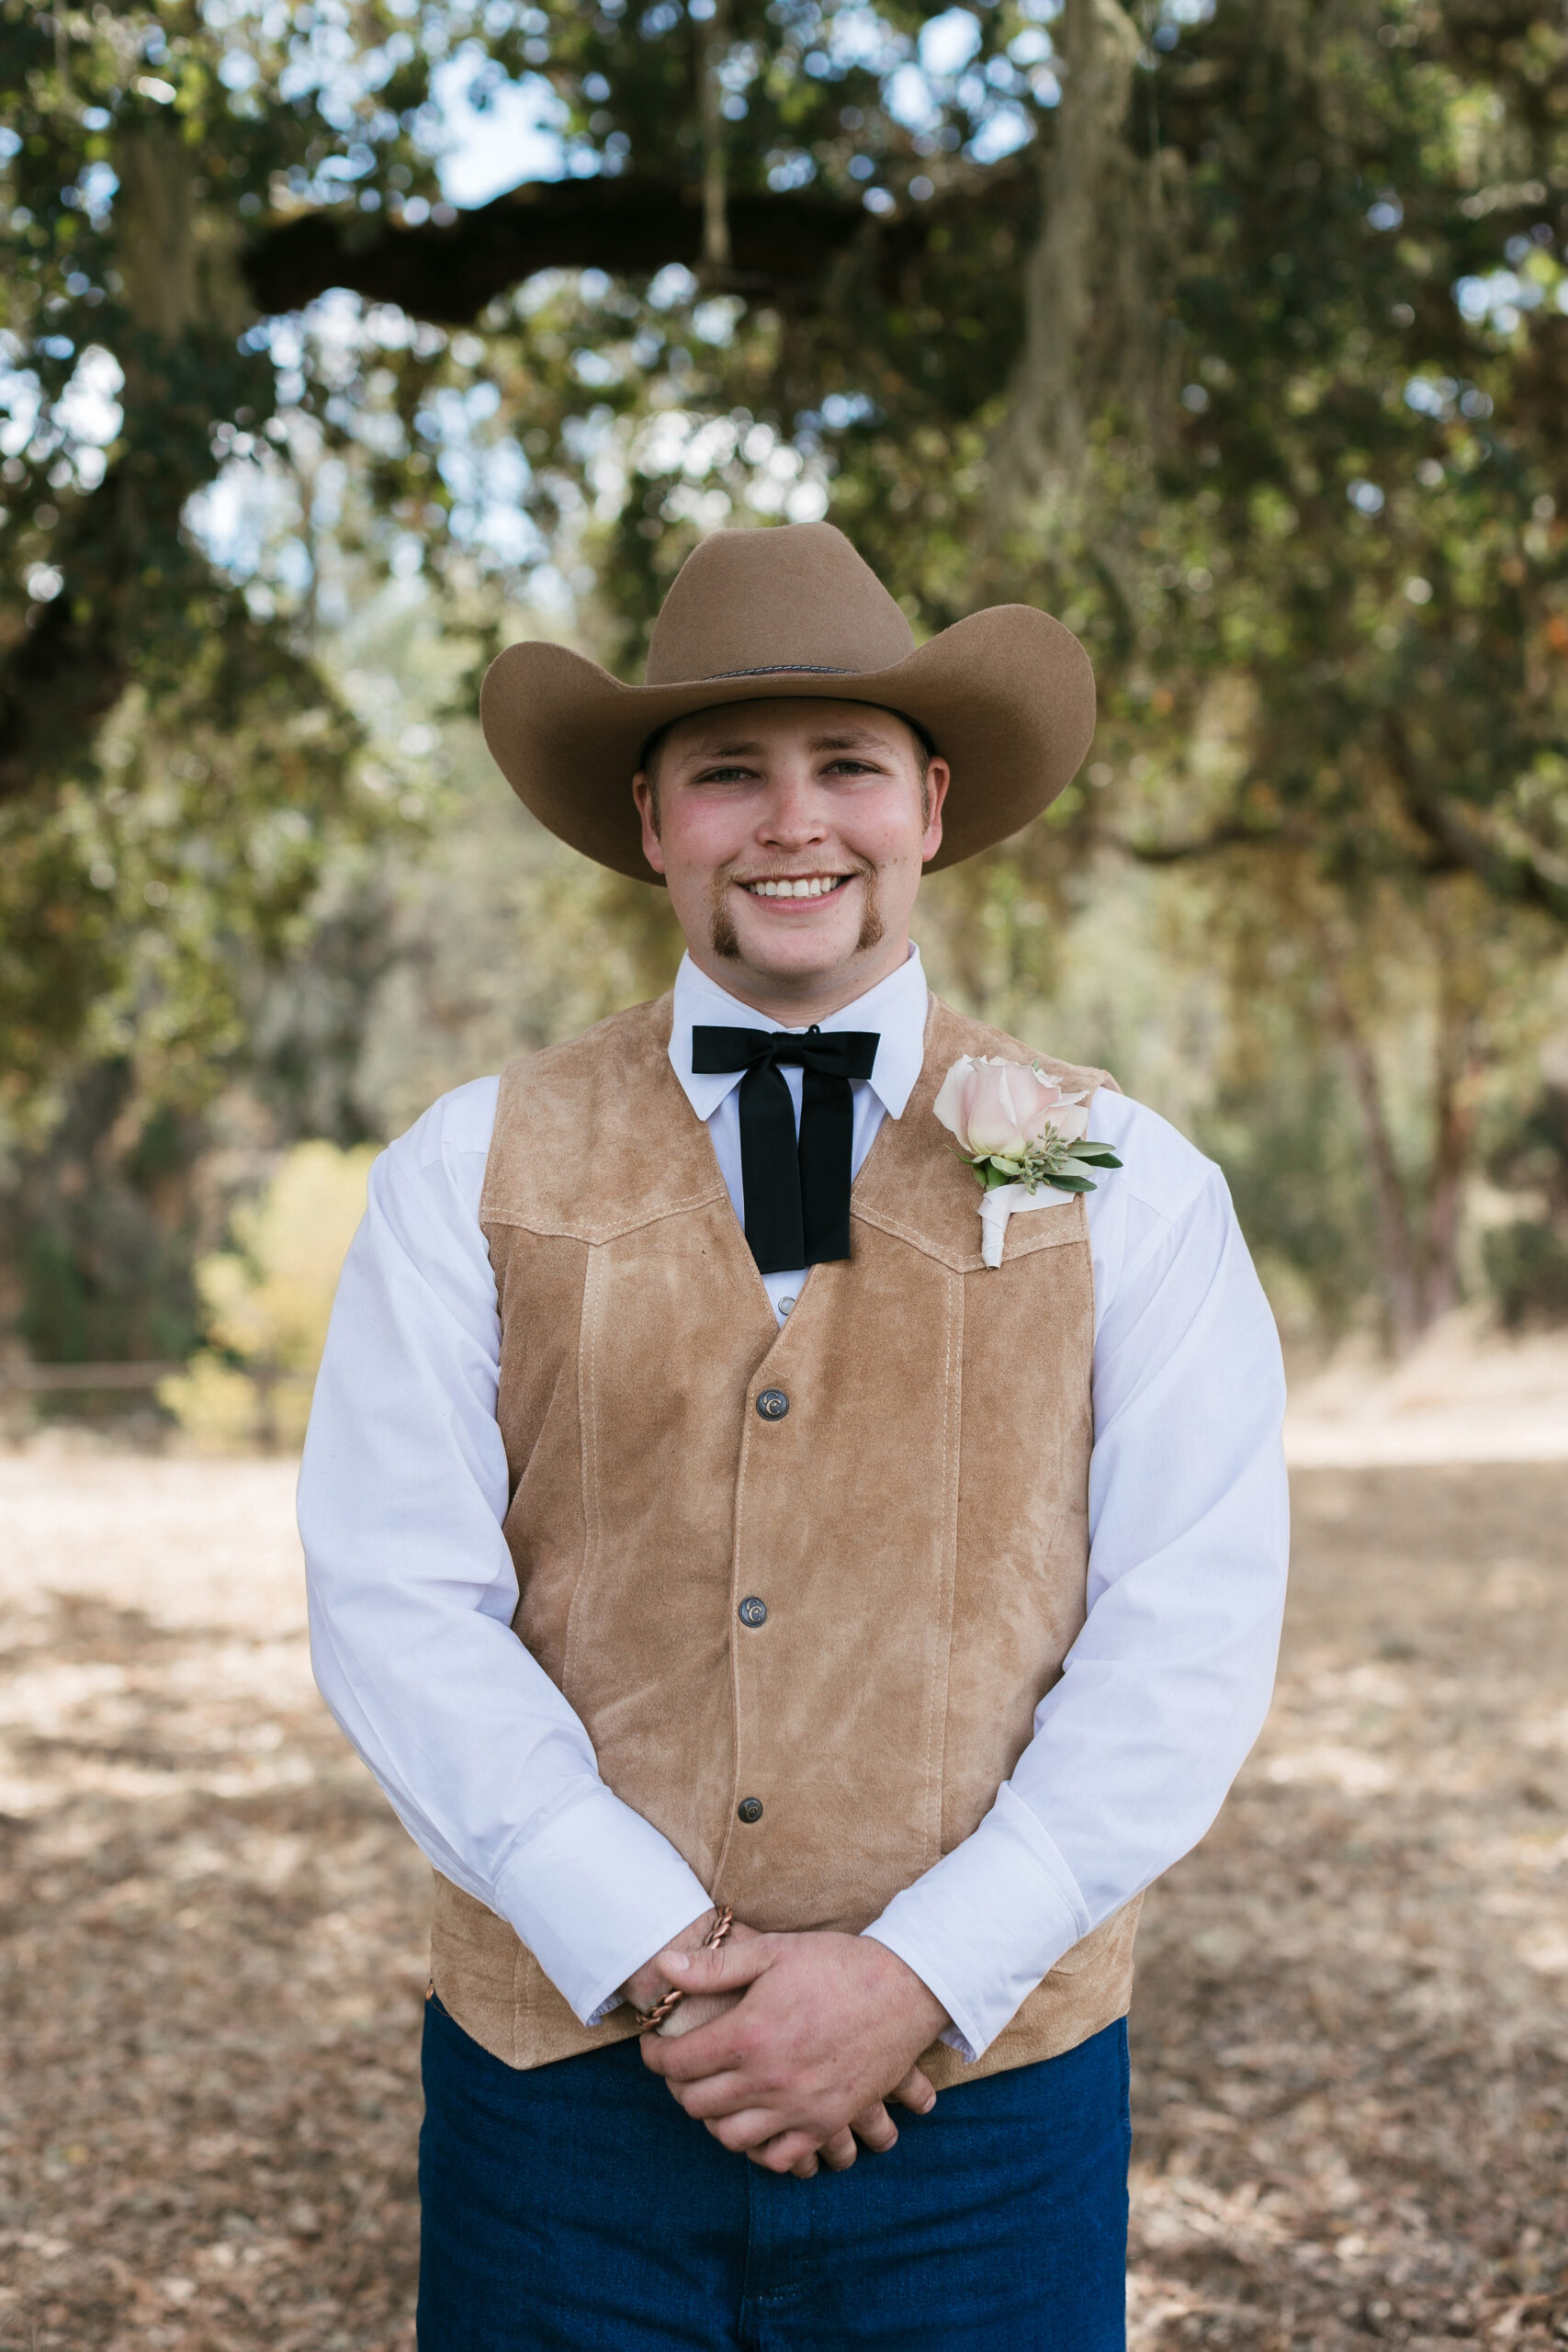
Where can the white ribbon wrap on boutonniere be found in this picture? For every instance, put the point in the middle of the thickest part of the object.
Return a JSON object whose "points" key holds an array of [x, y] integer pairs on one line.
{"points": [[999, 1202], [1023, 1138]]}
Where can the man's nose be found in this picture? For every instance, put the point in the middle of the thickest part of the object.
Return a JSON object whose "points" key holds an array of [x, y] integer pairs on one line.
{"points": [[794, 810]]}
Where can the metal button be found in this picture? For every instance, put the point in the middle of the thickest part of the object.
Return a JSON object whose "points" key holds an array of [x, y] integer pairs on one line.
{"points": [[753, 1612], [772, 1404], [749, 1809]]}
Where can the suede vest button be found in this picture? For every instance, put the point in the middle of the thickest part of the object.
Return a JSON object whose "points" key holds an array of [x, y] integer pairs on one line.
{"points": [[749, 1809], [753, 1612], [772, 1404]]}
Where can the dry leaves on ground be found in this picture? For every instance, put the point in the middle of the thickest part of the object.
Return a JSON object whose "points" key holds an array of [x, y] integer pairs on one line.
{"points": [[1350, 2030], [1351, 2018]]}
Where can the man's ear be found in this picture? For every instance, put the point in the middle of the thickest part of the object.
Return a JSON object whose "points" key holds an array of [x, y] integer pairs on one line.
{"points": [[939, 775], [648, 809]]}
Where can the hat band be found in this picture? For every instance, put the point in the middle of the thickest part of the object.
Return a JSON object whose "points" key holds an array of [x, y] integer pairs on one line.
{"points": [[777, 669]]}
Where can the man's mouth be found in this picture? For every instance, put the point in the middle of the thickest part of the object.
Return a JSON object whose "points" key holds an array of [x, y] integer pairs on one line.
{"points": [[796, 886]]}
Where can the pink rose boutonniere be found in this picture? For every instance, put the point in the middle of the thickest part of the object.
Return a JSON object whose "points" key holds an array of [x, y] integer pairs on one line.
{"points": [[1023, 1138]]}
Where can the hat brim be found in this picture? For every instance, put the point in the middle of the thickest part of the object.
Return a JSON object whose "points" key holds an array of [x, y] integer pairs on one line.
{"points": [[1007, 696]]}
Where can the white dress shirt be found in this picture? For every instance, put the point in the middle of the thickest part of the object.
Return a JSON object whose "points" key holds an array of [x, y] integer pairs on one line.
{"points": [[412, 1589]]}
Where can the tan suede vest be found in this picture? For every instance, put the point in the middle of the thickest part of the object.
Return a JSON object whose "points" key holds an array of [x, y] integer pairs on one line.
{"points": [[916, 1522]]}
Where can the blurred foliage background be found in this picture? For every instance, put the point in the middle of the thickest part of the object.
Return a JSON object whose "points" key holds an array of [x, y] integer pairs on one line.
{"points": [[341, 343]]}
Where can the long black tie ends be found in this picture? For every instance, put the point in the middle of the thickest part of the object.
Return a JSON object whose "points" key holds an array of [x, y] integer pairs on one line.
{"points": [[797, 1195]]}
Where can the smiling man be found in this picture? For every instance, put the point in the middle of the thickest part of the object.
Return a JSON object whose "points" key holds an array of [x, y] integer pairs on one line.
{"points": [[796, 1638], [852, 798]]}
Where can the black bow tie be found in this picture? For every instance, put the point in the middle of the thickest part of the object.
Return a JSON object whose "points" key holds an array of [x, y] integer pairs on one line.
{"points": [[797, 1197]]}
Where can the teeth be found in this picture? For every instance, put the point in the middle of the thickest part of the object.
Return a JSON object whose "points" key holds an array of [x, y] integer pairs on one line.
{"points": [[815, 886]]}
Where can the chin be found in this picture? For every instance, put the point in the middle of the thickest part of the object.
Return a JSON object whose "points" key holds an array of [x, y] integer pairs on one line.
{"points": [[818, 949]]}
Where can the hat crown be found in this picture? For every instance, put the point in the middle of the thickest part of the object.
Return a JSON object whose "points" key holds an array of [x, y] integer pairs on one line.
{"points": [[792, 596]]}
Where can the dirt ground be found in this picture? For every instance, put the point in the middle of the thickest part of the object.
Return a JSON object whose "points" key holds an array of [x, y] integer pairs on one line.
{"points": [[1351, 2031]]}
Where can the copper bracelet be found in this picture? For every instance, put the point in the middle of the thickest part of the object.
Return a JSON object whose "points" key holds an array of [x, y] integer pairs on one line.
{"points": [[648, 2020]]}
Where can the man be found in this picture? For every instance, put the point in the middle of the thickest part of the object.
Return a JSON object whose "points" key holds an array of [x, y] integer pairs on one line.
{"points": [[773, 1619]]}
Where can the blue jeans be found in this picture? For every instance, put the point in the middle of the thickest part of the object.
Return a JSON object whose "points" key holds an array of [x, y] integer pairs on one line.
{"points": [[575, 2208]]}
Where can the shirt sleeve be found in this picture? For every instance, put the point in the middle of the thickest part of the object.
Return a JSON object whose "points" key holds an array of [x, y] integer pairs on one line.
{"points": [[1167, 1684], [402, 1492]]}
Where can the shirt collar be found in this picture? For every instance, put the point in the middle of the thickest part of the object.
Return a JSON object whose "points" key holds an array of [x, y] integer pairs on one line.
{"points": [[895, 1008]]}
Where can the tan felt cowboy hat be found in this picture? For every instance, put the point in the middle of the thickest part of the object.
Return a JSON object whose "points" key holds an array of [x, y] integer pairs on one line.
{"points": [[1007, 696]]}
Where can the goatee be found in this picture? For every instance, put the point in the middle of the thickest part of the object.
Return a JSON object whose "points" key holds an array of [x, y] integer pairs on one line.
{"points": [[871, 913], [721, 923]]}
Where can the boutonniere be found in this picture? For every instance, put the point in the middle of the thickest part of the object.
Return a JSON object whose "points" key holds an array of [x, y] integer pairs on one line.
{"points": [[1023, 1137]]}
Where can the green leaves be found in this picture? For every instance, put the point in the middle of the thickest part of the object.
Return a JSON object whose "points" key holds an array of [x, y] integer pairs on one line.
{"points": [[1314, 537], [1051, 1161]]}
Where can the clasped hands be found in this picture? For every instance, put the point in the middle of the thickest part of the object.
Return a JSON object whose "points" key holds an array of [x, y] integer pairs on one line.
{"points": [[790, 2047]]}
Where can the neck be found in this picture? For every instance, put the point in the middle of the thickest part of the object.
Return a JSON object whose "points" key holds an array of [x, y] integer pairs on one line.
{"points": [[795, 999]]}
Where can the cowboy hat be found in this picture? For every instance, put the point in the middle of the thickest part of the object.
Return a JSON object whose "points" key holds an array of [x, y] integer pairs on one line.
{"points": [[1007, 696]]}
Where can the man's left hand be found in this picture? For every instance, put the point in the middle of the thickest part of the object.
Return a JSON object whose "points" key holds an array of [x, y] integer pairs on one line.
{"points": [[829, 2028]]}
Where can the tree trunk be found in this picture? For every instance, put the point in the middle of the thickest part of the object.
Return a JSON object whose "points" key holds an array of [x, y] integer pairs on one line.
{"points": [[712, 49], [127, 568], [155, 246], [1454, 1121], [1397, 1245], [1043, 444]]}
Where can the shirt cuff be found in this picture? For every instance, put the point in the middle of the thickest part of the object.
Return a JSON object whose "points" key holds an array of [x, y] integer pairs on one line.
{"points": [[988, 1923], [595, 1893]]}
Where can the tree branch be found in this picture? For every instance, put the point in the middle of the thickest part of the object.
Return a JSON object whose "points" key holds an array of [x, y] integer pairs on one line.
{"points": [[1516, 872], [1234, 835], [780, 246], [129, 573], [1512, 872]]}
